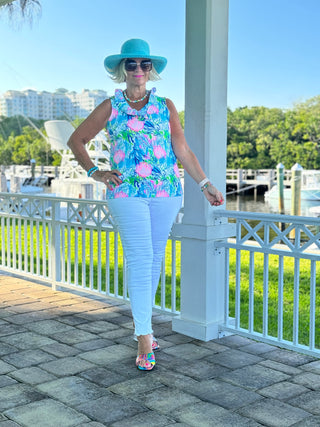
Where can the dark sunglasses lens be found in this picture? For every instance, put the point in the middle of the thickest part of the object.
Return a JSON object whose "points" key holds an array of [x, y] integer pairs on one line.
{"points": [[130, 65], [146, 65]]}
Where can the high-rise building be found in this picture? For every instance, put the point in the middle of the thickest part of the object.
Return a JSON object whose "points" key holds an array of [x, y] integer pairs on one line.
{"points": [[50, 106]]}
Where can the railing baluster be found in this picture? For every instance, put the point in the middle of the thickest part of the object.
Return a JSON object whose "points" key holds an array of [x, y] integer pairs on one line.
{"points": [[116, 275], [31, 248], [265, 294], [107, 260], [14, 248], [8, 243], [25, 224], [38, 248], [91, 260], [227, 290], [44, 250], [83, 257], [99, 251], [238, 289], [251, 292], [296, 302], [19, 245], [280, 299], [76, 258], [173, 274], [69, 253], [63, 255], [3, 241], [312, 333]]}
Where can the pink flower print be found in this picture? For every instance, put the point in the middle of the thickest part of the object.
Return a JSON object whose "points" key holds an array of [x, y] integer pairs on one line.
{"points": [[118, 156], [120, 194], [143, 169], [176, 170], [159, 152], [135, 124], [114, 114], [152, 109], [162, 193]]}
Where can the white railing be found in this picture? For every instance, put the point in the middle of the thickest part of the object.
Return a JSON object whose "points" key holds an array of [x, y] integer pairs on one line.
{"points": [[272, 276], [72, 243], [272, 280]]}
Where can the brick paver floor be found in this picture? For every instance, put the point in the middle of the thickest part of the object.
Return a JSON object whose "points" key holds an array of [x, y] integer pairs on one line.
{"points": [[68, 360]]}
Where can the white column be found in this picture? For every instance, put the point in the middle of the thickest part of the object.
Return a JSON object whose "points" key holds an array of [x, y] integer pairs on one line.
{"points": [[202, 265]]}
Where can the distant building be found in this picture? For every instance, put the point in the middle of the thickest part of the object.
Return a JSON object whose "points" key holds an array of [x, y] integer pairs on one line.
{"points": [[50, 106]]}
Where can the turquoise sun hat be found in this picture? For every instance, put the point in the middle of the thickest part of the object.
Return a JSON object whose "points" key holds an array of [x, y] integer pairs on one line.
{"points": [[135, 48]]}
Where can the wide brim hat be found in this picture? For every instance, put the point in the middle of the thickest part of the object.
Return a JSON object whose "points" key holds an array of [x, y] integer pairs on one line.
{"points": [[135, 48]]}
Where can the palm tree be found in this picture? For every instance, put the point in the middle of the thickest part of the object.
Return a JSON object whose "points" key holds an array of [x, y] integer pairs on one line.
{"points": [[25, 8]]}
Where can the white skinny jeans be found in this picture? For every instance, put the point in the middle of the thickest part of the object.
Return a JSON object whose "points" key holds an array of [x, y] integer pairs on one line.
{"points": [[144, 225]]}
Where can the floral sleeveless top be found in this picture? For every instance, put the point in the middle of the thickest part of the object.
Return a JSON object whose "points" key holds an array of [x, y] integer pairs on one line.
{"points": [[141, 149]]}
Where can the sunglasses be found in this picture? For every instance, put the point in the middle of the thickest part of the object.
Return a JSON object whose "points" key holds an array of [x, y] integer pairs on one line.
{"points": [[132, 65]]}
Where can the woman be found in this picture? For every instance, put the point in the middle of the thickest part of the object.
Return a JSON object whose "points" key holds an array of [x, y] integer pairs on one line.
{"points": [[143, 188]]}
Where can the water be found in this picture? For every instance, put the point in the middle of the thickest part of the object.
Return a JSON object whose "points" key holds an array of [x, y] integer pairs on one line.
{"points": [[248, 203]]}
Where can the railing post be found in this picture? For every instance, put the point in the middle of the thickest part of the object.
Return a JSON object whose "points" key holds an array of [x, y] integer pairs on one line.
{"points": [[55, 260], [202, 264], [239, 179], [270, 179], [295, 193]]}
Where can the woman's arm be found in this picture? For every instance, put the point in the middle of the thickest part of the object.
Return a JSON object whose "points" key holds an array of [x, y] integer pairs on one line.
{"points": [[88, 129], [188, 159]]}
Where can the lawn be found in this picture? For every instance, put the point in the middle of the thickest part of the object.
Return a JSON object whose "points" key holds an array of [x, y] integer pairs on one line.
{"points": [[79, 246]]}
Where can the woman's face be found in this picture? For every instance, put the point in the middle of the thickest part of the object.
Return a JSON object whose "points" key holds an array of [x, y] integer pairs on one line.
{"points": [[137, 74]]}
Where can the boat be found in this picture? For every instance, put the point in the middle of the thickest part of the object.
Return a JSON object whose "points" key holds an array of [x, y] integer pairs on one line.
{"points": [[73, 180], [18, 180], [310, 188]]}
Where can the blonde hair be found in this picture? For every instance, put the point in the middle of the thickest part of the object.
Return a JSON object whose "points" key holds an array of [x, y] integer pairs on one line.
{"points": [[119, 74]]}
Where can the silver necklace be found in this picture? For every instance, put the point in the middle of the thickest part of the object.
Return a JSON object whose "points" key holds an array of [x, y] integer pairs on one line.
{"points": [[135, 100]]}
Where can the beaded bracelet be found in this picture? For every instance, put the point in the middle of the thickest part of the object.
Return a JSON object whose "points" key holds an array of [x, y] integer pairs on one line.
{"points": [[206, 185], [92, 171]]}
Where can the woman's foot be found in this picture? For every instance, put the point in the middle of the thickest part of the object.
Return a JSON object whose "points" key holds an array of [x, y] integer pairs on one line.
{"points": [[145, 362], [144, 344], [145, 359], [155, 345]]}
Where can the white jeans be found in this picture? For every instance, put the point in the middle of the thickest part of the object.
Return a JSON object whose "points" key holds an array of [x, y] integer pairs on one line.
{"points": [[144, 225]]}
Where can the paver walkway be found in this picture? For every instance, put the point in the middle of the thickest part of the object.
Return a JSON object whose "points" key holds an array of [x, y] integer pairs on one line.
{"points": [[68, 360]]}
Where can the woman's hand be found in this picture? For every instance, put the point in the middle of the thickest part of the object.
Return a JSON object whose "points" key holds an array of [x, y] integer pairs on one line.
{"points": [[213, 195], [108, 177]]}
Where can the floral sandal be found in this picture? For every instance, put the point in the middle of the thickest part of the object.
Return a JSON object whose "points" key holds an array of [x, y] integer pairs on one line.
{"points": [[145, 362]]}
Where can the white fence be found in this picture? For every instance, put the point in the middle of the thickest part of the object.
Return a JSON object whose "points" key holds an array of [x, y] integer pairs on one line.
{"points": [[72, 243], [272, 277], [272, 280]]}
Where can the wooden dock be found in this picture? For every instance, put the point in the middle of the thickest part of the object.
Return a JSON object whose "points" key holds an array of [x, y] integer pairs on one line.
{"points": [[240, 180]]}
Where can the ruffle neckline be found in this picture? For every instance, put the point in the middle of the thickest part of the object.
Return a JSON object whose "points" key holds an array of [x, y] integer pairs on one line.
{"points": [[123, 105]]}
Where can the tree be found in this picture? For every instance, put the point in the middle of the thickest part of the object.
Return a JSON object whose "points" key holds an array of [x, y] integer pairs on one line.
{"points": [[250, 134], [25, 9]]}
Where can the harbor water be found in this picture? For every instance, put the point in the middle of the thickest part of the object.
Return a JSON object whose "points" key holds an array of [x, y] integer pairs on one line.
{"points": [[249, 203]]}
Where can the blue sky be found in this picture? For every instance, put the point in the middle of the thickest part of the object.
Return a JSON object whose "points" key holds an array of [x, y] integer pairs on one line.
{"points": [[273, 47]]}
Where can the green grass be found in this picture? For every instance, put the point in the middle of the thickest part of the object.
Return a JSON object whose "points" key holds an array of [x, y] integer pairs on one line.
{"points": [[90, 244], [288, 295], [80, 245]]}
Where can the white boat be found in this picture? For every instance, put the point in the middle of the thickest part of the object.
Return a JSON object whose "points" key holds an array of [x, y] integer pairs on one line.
{"points": [[310, 188], [73, 180], [18, 180]]}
